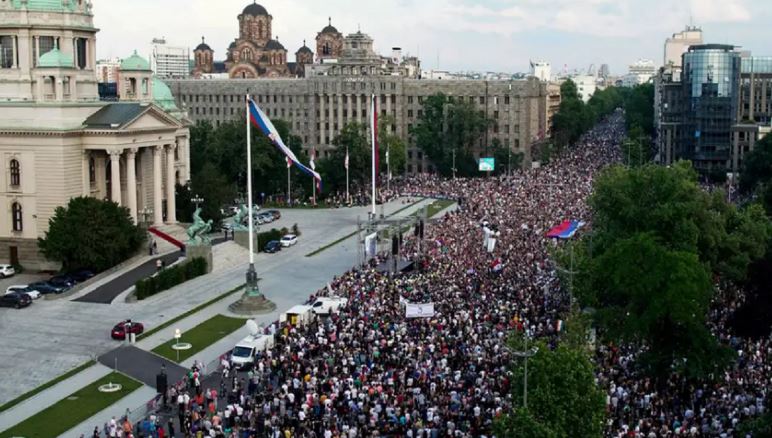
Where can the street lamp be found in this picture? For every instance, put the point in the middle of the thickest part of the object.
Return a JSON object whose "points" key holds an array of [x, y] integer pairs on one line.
{"points": [[197, 200], [177, 336], [526, 354]]}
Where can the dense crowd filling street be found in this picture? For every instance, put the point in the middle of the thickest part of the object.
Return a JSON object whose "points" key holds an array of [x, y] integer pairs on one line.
{"points": [[369, 371]]}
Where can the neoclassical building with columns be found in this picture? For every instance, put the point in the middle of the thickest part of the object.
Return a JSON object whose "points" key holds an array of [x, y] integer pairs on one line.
{"points": [[59, 141]]}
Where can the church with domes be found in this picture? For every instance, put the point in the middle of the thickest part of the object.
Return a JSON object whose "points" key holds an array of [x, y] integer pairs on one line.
{"points": [[258, 53]]}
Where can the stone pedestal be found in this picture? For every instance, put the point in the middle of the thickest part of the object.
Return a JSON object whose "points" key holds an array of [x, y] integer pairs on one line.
{"points": [[253, 302], [241, 237], [204, 251]]}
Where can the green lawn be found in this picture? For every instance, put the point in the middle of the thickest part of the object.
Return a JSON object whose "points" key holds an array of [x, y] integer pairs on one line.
{"points": [[189, 312], [437, 206], [45, 386], [72, 410], [201, 336]]}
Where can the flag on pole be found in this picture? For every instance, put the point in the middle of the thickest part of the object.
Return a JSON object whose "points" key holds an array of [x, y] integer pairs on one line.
{"points": [[565, 230], [260, 120], [289, 163], [313, 155], [345, 161]]}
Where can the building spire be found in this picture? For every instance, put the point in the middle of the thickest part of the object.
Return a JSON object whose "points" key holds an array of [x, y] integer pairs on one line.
{"points": [[203, 40], [329, 21]]}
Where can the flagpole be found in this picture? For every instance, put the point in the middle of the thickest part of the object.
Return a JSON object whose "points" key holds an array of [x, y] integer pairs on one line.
{"points": [[347, 166], [373, 119], [252, 288], [388, 169], [289, 199]]}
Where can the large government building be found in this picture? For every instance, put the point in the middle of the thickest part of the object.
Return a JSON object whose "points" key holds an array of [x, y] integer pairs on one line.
{"points": [[320, 93], [59, 141]]}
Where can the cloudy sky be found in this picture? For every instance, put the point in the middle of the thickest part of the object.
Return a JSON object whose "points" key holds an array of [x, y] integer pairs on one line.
{"points": [[481, 35]]}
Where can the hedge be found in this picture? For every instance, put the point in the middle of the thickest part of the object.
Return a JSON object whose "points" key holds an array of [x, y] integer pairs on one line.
{"points": [[170, 277], [267, 236]]}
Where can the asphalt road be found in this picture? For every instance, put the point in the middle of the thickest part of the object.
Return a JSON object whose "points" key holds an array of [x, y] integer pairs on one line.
{"points": [[106, 293]]}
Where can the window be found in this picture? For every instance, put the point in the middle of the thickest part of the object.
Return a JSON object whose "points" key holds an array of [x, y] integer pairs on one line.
{"points": [[46, 45], [80, 52], [410, 99], [16, 216], [482, 100], [15, 173], [6, 51], [92, 170], [506, 100]]}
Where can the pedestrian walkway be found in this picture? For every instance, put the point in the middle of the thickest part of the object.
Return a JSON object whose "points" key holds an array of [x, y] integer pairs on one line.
{"points": [[52, 395], [106, 293], [135, 404], [141, 365]]}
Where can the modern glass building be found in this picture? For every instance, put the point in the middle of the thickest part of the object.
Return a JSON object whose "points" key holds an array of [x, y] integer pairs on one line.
{"points": [[711, 78]]}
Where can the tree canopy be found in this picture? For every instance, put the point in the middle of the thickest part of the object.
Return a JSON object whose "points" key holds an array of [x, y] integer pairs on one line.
{"points": [[449, 126], [574, 117], [90, 233], [563, 398], [647, 265], [756, 174]]}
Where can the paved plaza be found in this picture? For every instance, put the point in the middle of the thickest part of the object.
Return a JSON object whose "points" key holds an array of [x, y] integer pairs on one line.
{"points": [[51, 337]]}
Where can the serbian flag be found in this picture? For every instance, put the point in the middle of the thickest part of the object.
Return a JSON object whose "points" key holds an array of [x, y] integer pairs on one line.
{"points": [[565, 230], [345, 161], [260, 120], [289, 163]]}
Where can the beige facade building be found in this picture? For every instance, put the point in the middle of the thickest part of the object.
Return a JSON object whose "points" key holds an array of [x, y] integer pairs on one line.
{"points": [[59, 141], [318, 108]]}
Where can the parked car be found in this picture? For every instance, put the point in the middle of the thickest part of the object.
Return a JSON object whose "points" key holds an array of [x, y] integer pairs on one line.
{"points": [[266, 217], [7, 271], [45, 287], [289, 240], [119, 331], [15, 300], [81, 275], [23, 289], [275, 213], [273, 246], [63, 280]]}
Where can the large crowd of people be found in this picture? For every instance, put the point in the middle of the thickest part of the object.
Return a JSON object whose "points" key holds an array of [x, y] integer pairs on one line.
{"points": [[367, 370]]}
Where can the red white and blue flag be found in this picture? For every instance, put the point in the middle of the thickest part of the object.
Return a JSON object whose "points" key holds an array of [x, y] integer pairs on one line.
{"points": [[260, 120], [565, 230]]}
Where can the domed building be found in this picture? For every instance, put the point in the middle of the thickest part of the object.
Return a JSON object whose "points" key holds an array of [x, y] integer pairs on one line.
{"points": [[329, 42], [58, 140], [255, 53]]}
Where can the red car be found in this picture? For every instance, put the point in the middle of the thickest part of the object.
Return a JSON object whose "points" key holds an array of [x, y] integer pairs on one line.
{"points": [[119, 331]]}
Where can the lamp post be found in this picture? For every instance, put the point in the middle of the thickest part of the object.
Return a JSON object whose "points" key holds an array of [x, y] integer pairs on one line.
{"points": [[525, 354], [197, 200], [177, 336]]}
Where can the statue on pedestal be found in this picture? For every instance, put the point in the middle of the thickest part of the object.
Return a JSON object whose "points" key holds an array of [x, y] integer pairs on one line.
{"points": [[198, 232], [241, 216]]}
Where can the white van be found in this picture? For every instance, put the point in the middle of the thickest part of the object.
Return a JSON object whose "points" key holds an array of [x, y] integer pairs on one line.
{"points": [[243, 354], [299, 315], [328, 305]]}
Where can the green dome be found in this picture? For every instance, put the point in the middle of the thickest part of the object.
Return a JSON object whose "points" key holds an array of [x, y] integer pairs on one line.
{"points": [[135, 63], [162, 96], [55, 59], [46, 5]]}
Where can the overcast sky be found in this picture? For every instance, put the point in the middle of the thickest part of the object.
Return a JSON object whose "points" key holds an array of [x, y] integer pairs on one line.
{"points": [[482, 35]]}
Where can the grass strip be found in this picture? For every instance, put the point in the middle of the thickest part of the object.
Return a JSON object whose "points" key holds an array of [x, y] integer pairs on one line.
{"points": [[189, 312], [200, 336], [329, 245], [437, 206], [43, 387], [73, 409]]}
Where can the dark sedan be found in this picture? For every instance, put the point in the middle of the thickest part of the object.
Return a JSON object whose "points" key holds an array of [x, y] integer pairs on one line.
{"points": [[63, 281], [119, 331], [15, 300], [81, 275], [45, 287], [275, 213], [272, 246]]}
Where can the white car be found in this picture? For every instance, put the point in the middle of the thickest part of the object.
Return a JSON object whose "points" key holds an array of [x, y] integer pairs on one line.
{"points": [[289, 240], [7, 271], [23, 289]]}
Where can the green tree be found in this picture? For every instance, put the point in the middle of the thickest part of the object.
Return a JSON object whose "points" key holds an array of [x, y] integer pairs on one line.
{"points": [[636, 148], [568, 123], [639, 108], [563, 398], [756, 174], [669, 204], [648, 295], [211, 185], [353, 137], [90, 233], [447, 128]]}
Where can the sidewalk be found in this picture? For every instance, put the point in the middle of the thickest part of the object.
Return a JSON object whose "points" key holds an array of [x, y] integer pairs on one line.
{"points": [[136, 403], [50, 396]]}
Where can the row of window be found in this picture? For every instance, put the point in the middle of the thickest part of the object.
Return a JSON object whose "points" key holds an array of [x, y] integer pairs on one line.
{"points": [[234, 98], [40, 46]]}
